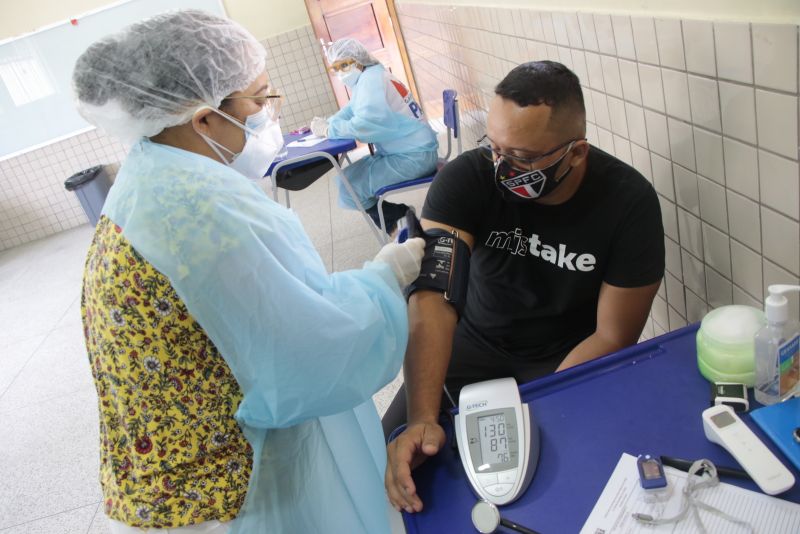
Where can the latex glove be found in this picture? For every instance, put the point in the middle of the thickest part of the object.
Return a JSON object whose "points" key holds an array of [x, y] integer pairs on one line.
{"points": [[405, 259], [319, 127]]}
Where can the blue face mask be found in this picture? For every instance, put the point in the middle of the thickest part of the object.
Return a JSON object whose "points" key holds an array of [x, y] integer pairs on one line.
{"points": [[350, 77]]}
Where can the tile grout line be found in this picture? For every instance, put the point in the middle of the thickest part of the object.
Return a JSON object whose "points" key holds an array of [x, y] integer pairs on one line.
{"points": [[91, 523], [33, 353], [96, 505], [694, 125], [27, 361]]}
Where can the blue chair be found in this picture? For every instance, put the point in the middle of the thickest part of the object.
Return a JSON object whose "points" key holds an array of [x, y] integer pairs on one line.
{"points": [[452, 122]]}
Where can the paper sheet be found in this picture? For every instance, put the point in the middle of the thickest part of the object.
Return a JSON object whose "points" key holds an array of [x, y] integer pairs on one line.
{"points": [[623, 496], [307, 141]]}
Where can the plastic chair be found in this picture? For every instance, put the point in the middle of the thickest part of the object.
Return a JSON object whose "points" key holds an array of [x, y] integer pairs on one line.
{"points": [[453, 124]]}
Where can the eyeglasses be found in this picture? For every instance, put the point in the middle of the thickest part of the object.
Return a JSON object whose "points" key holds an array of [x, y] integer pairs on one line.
{"points": [[271, 101], [343, 65], [488, 151]]}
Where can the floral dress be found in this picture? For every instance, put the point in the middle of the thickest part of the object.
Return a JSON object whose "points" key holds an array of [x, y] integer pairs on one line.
{"points": [[171, 452]]}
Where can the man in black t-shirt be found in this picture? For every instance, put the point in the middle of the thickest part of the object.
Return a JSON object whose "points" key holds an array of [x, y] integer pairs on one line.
{"points": [[567, 255]]}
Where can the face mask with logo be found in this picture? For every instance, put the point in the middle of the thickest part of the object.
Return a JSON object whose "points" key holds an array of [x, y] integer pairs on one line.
{"points": [[350, 77], [263, 142], [520, 186]]}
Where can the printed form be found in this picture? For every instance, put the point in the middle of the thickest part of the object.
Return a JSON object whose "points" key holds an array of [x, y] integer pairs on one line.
{"points": [[307, 141], [623, 496]]}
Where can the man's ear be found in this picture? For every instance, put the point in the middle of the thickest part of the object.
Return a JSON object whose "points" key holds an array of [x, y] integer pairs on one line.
{"points": [[579, 153], [200, 121]]}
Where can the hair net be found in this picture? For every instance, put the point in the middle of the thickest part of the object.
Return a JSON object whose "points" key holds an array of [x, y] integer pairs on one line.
{"points": [[350, 48], [156, 73]]}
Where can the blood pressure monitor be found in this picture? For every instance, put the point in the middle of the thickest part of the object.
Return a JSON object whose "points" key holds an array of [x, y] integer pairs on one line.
{"points": [[497, 440]]}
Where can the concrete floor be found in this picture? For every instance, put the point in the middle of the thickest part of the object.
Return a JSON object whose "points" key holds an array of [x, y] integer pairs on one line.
{"points": [[48, 412]]}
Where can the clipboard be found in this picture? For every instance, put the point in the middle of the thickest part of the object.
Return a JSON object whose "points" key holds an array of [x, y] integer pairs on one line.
{"points": [[778, 421]]}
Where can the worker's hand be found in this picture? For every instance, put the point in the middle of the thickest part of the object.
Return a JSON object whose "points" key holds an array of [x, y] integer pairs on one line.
{"points": [[319, 127], [407, 451], [405, 259]]}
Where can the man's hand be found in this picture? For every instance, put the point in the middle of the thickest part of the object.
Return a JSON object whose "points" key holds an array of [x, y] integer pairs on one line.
{"points": [[417, 442]]}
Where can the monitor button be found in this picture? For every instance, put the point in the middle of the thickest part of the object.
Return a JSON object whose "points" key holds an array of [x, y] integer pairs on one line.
{"points": [[488, 479], [498, 490], [507, 477]]}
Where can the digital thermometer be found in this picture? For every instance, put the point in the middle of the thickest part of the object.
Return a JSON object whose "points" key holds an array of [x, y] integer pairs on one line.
{"points": [[723, 427], [497, 440]]}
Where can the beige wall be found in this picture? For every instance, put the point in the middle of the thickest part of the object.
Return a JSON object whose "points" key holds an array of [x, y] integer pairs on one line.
{"points": [[264, 18], [742, 10]]}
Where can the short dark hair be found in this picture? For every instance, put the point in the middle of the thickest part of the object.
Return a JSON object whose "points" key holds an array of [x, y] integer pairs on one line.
{"points": [[546, 82]]}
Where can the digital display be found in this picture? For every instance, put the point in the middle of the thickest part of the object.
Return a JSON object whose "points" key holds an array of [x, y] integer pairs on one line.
{"points": [[494, 439], [650, 469], [722, 419]]}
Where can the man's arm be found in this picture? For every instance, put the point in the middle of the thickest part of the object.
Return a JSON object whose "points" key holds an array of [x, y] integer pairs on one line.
{"points": [[621, 315], [432, 323]]}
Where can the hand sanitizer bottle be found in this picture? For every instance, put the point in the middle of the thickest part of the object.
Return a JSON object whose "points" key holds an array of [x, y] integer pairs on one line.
{"points": [[776, 349]]}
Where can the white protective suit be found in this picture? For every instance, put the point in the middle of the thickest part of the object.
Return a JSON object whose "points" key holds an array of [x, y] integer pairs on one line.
{"points": [[382, 111], [308, 348]]}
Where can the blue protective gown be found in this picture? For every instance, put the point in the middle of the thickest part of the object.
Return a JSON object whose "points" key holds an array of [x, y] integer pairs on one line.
{"points": [[308, 348], [383, 112]]}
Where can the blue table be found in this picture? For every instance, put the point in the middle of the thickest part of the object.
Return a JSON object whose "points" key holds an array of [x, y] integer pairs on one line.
{"points": [[644, 399], [296, 157]]}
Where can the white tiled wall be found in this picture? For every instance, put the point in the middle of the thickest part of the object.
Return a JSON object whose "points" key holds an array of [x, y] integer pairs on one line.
{"points": [[295, 66], [33, 201], [707, 111]]}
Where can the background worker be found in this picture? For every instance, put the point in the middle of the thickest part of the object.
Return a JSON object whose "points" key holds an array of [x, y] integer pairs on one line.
{"points": [[381, 111]]}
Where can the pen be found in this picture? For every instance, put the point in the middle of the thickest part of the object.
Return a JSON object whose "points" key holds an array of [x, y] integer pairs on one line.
{"points": [[684, 465]]}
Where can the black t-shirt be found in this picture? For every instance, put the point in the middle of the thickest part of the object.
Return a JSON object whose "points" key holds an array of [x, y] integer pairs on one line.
{"points": [[536, 270]]}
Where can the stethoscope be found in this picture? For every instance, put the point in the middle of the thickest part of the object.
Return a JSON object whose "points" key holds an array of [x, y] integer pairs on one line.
{"points": [[486, 518]]}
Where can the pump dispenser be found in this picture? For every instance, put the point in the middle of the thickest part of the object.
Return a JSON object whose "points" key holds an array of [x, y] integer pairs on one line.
{"points": [[776, 349]]}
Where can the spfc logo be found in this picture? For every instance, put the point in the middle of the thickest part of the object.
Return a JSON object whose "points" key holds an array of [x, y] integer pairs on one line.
{"points": [[525, 185]]}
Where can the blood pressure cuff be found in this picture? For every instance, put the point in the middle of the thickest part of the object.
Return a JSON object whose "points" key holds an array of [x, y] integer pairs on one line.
{"points": [[445, 267]]}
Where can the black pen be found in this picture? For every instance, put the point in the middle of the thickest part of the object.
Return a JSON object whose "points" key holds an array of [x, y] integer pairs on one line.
{"points": [[684, 465]]}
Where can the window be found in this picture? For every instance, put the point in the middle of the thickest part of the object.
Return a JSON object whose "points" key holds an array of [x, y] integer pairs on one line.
{"points": [[26, 80]]}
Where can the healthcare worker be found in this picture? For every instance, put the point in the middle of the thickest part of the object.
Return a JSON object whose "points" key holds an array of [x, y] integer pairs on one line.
{"points": [[381, 111], [234, 374]]}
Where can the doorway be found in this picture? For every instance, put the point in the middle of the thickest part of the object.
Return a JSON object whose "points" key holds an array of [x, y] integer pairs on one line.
{"points": [[372, 22]]}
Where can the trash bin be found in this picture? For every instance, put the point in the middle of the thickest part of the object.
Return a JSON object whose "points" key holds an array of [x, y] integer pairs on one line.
{"points": [[91, 186]]}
